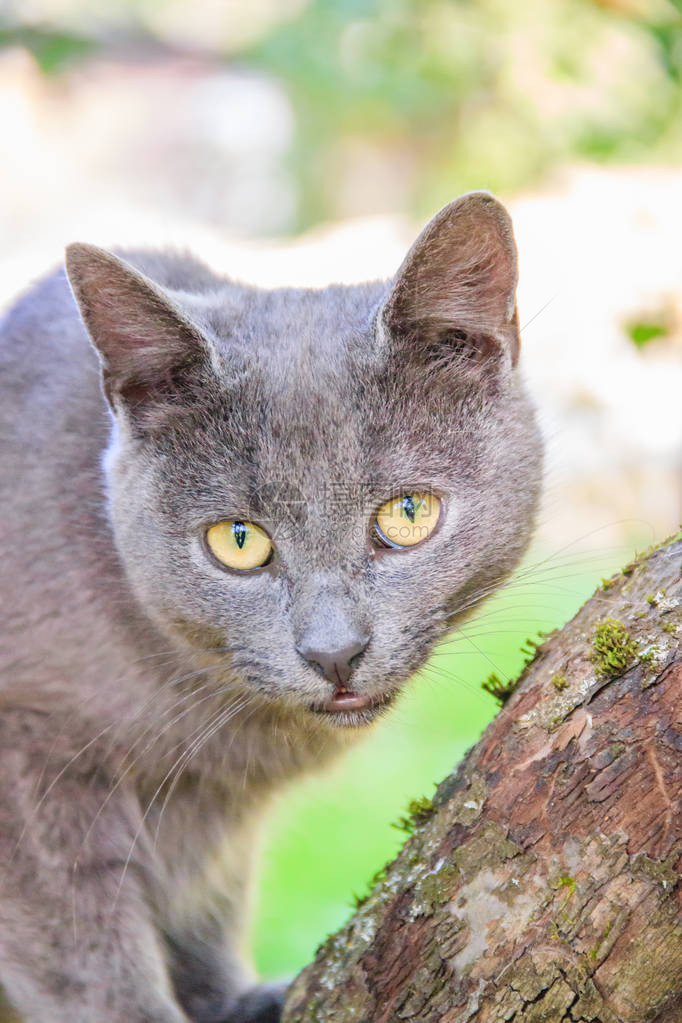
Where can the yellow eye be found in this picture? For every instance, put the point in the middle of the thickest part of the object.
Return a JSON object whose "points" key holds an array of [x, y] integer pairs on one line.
{"points": [[240, 545], [407, 520]]}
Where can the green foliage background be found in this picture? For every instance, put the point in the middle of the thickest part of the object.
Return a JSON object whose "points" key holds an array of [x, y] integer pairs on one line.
{"points": [[490, 94], [445, 95]]}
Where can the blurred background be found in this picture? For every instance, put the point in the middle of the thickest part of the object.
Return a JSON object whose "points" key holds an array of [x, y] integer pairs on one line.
{"points": [[304, 141]]}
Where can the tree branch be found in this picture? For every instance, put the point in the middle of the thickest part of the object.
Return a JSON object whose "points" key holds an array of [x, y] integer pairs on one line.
{"points": [[544, 883]]}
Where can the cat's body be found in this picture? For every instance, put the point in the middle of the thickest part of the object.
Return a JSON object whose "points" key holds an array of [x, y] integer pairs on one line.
{"points": [[150, 699]]}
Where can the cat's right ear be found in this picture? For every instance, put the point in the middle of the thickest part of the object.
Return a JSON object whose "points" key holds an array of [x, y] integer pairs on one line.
{"points": [[454, 297], [148, 348]]}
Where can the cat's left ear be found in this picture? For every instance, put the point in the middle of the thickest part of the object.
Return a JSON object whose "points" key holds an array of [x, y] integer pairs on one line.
{"points": [[148, 348], [455, 294]]}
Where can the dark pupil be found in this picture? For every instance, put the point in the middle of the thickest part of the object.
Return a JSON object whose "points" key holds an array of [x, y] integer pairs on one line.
{"points": [[408, 508], [239, 532]]}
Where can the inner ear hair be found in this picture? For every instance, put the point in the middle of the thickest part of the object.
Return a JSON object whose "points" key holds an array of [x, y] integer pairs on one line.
{"points": [[151, 353], [468, 347], [454, 295]]}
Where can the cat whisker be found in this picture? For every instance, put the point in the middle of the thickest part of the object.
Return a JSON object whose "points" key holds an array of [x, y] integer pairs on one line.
{"points": [[446, 675], [66, 767], [94, 696], [221, 718], [190, 753], [32, 816], [169, 684], [121, 777]]}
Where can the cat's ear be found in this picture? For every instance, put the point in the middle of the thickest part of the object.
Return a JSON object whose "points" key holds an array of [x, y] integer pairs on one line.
{"points": [[148, 348], [454, 297]]}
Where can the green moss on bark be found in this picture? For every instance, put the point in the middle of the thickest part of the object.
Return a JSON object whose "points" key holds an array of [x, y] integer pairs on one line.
{"points": [[613, 649]]}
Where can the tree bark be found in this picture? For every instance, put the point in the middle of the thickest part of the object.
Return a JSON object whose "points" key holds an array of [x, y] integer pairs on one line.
{"points": [[544, 881]]}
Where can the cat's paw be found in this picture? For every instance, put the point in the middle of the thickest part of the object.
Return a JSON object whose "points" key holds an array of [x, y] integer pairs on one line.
{"points": [[262, 1004]]}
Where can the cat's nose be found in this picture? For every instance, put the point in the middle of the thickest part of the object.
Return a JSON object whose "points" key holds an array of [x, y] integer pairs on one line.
{"points": [[335, 663]]}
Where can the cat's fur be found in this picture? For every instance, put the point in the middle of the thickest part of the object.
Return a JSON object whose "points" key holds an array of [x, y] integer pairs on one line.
{"points": [[150, 700]]}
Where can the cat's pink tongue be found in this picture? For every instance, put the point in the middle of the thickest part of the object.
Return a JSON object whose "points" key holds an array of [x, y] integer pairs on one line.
{"points": [[346, 699]]}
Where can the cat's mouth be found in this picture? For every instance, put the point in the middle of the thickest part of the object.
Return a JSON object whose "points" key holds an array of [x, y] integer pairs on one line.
{"points": [[346, 707]]}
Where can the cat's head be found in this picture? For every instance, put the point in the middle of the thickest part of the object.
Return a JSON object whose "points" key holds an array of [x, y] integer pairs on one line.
{"points": [[315, 485]]}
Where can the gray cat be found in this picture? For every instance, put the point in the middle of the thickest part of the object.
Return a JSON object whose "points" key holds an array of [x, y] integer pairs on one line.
{"points": [[227, 544]]}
